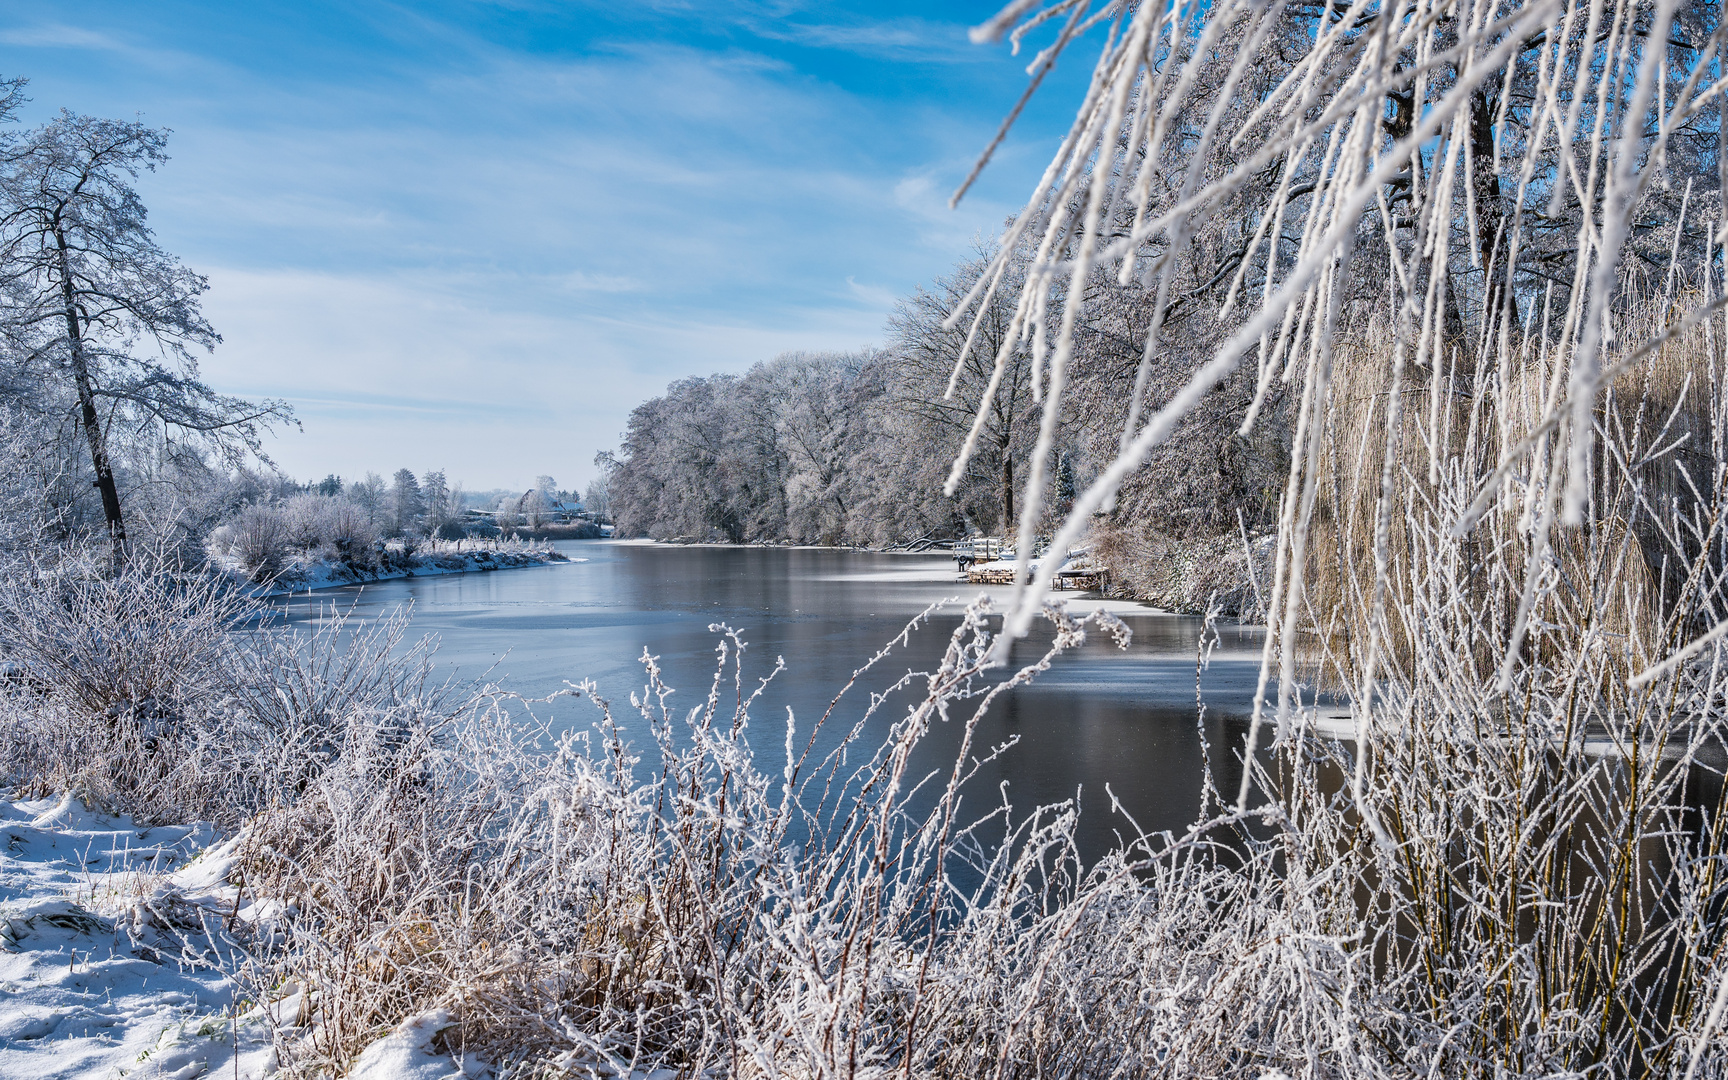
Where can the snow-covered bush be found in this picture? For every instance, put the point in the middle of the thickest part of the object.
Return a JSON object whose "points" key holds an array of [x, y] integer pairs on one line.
{"points": [[111, 673], [167, 693], [256, 538], [349, 531], [305, 521], [263, 537]]}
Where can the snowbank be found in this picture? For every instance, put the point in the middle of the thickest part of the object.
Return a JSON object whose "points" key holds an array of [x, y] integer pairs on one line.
{"points": [[118, 946], [406, 1054], [115, 951]]}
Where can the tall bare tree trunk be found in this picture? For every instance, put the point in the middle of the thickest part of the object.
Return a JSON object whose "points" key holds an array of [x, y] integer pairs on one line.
{"points": [[1491, 246], [1007, 491], [87, 410]]}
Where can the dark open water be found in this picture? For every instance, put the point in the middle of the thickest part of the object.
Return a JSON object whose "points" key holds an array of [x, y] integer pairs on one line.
{"points": [[1101, 716]]}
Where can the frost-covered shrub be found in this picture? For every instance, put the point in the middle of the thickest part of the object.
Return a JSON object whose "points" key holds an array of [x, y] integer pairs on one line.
{"points": [[111, 670], [306, 521], [169, 694], [256, 538], [261, 537], [349, 530]]}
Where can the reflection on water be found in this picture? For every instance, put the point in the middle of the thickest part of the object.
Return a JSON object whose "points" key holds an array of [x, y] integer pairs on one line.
{"points": [[1101, 716]]}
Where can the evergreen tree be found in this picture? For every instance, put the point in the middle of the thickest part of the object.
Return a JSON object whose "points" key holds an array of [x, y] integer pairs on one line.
{"points": [[407, 504]]}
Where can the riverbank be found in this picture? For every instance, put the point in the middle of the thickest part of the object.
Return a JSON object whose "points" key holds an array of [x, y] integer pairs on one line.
{"points": [[1148, 572], [393, 564], [1183, 575]]}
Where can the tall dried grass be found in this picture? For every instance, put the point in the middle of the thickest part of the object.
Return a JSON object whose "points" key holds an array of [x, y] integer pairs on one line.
{"points": [[1629, 572], [1525, 828], [1518, 886]]}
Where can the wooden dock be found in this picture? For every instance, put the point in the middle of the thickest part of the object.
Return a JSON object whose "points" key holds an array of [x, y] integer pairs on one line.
{"points": [[991, 560], [1090, 579]]}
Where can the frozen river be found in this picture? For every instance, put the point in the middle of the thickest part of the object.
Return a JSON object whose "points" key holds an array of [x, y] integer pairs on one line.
{"points": [[1101, 716]]}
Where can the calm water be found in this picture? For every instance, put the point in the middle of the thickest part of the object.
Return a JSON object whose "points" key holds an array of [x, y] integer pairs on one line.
{"points": [[1101, 716]]}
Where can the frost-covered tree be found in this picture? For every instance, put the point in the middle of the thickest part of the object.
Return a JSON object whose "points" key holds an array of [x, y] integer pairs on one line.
{"points": [[818, 419], [807, 447], [406, 503], [538, 502], [39, 494], [435, 490], [455, 503], [598, 497], [681, 469], [946, 394], [369, 495], [94, 305]]}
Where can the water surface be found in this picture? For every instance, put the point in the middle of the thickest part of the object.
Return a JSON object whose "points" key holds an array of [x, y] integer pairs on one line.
{"points": [[1101, 717]]}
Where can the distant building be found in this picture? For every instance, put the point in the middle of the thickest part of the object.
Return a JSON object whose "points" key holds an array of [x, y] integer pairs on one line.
{"points": [[556, 508]]}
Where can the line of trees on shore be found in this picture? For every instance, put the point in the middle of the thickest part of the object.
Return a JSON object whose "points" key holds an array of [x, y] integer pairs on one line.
{"points": [[351, 523], [858, 447]]}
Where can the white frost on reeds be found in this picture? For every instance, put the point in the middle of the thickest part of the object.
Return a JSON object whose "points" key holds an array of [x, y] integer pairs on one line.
{"points": [[1503, 528], [1501, 536], [1166, 138]]}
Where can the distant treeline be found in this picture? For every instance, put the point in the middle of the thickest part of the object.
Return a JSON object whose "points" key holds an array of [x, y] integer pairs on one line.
{"points": [[837, 448], [808, 448], [856, 448], [279, 522]]}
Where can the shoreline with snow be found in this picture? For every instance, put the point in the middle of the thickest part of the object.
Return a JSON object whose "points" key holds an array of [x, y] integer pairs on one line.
{"points": [[394, 565]]}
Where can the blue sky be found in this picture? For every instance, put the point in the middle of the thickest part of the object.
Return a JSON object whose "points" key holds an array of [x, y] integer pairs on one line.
{"points": [[473, 236]]}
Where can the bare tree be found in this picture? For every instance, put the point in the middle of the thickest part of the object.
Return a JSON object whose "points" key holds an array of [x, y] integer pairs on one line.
{"points": [[436, 492], [598, 497], [952, 396], [540, 502], [368, 494], [85, 284]]}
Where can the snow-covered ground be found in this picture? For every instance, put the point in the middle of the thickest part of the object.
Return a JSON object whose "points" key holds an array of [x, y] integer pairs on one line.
{"points": [[117, 946]]}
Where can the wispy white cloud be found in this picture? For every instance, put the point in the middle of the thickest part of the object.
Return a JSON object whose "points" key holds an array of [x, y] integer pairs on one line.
{"points": [[490, 230], [60, 39], [874, 295], [579, 281], [59, 36], [902, 39], [416, 368]]}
